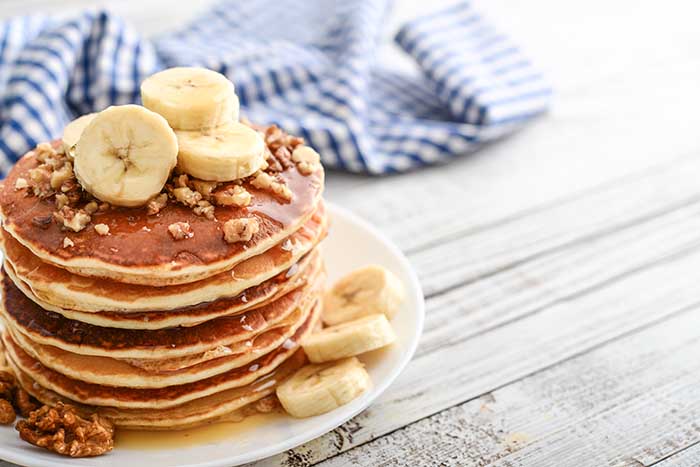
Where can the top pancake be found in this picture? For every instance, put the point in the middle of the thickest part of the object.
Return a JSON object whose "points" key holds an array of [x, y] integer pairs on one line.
{"points": [[139, 248]]}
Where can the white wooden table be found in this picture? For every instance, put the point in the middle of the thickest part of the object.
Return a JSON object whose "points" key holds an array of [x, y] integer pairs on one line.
{"points": [[561, 266]]}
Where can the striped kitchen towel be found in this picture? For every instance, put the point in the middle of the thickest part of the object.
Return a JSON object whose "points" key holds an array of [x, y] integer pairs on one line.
{"points": [[308, 65]]}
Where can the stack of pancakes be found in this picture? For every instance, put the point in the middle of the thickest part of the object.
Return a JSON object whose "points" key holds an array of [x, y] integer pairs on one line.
{"points": [[149, 331]]}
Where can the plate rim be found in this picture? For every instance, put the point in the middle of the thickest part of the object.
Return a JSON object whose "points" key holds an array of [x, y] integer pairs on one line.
{"points": [[292, 442]]}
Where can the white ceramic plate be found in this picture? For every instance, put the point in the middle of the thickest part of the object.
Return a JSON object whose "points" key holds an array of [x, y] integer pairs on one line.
{"points": [[351, 243]]}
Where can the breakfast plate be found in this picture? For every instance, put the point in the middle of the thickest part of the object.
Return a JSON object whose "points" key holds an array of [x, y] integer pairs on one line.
{"points": [[351, 243]]}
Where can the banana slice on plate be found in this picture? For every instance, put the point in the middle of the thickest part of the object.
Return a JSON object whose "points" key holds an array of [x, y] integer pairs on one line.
{"points": [[366, 291], [317, 389], [349, 339], [72, 132], [191, 98], [125, 154], [220, 154]]}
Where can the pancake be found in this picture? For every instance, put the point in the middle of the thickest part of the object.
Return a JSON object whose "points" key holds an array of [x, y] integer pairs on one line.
{"points": [[230, 404], [154, 398], [296, 276], [112, 372], [67, 290], [49, 328], [139, 249]]}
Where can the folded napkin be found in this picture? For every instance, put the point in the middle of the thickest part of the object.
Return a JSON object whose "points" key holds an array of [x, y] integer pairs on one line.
{"points": [[308, 65]]}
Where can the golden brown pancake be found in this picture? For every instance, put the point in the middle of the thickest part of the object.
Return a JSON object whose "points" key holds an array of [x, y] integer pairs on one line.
{"points": [[49, 328], [139, 249], [154, 398], [297, 275], [224, 404], [63, 289], [169, 372]]}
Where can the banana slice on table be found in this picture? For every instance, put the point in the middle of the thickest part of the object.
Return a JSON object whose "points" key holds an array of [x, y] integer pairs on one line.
{"points": [[191, 98], [125, 155], [349, 339], [220, 154], [317, 389], [366, 291], [72, 132]]}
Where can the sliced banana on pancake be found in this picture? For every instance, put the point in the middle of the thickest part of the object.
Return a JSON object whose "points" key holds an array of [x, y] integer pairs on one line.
{"points": [[366, 291], [125, 155], [349, 339], [191, 98], [224, 153], [73, 131], [317, 389]]}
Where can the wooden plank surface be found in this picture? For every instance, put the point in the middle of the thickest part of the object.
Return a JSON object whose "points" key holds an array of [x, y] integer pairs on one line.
{"points": [[560, 264]]}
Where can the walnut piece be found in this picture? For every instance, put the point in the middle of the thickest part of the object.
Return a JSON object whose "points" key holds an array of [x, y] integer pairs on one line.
{"points": [[7, 412], [180, 230], [60, 176], [67, 242], [157, 203], [306, 159], [240, 230], [204, 188], [75, 220], [21, 183], [204, 208], [102, 229], [62, 431], [267, 182], [235, 196], [186, 196], [24, 402]]}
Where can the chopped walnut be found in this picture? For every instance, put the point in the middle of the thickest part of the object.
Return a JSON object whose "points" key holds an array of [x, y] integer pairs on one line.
{"points": [[61, 430], [62, 175], [157, 203], [180, 230], [24, 402], [92, 207], [40, 177], [181, 180], [267, 182], [75, 220], [306, 159], [21, 183], [204, 208], [7, 412], [240, 230], [67, 242], [61, 200], [204, 188], [102, 229], [186, 196], [235, 196]]}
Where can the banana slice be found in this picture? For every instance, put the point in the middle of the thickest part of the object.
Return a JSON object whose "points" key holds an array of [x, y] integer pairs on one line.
{"points": [[191, 98], [72, 132], [366, 291], [125, 155], [221, 154], [349, 339], [317, 389]]}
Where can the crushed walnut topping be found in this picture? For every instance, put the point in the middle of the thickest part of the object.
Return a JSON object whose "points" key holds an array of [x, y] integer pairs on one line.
{"points": [[180, 230], [187, 196], [240, 230], [204, 188], [67, 242], [204, 208], [157, 203], [13, 399], [102, 229], [267, 182], [233, 196], [75, 220], [306, 159], [21, 183], [61, 430]]}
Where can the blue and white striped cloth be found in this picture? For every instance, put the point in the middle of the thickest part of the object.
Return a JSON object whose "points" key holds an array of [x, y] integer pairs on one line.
{"points": [[308, 65]]}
